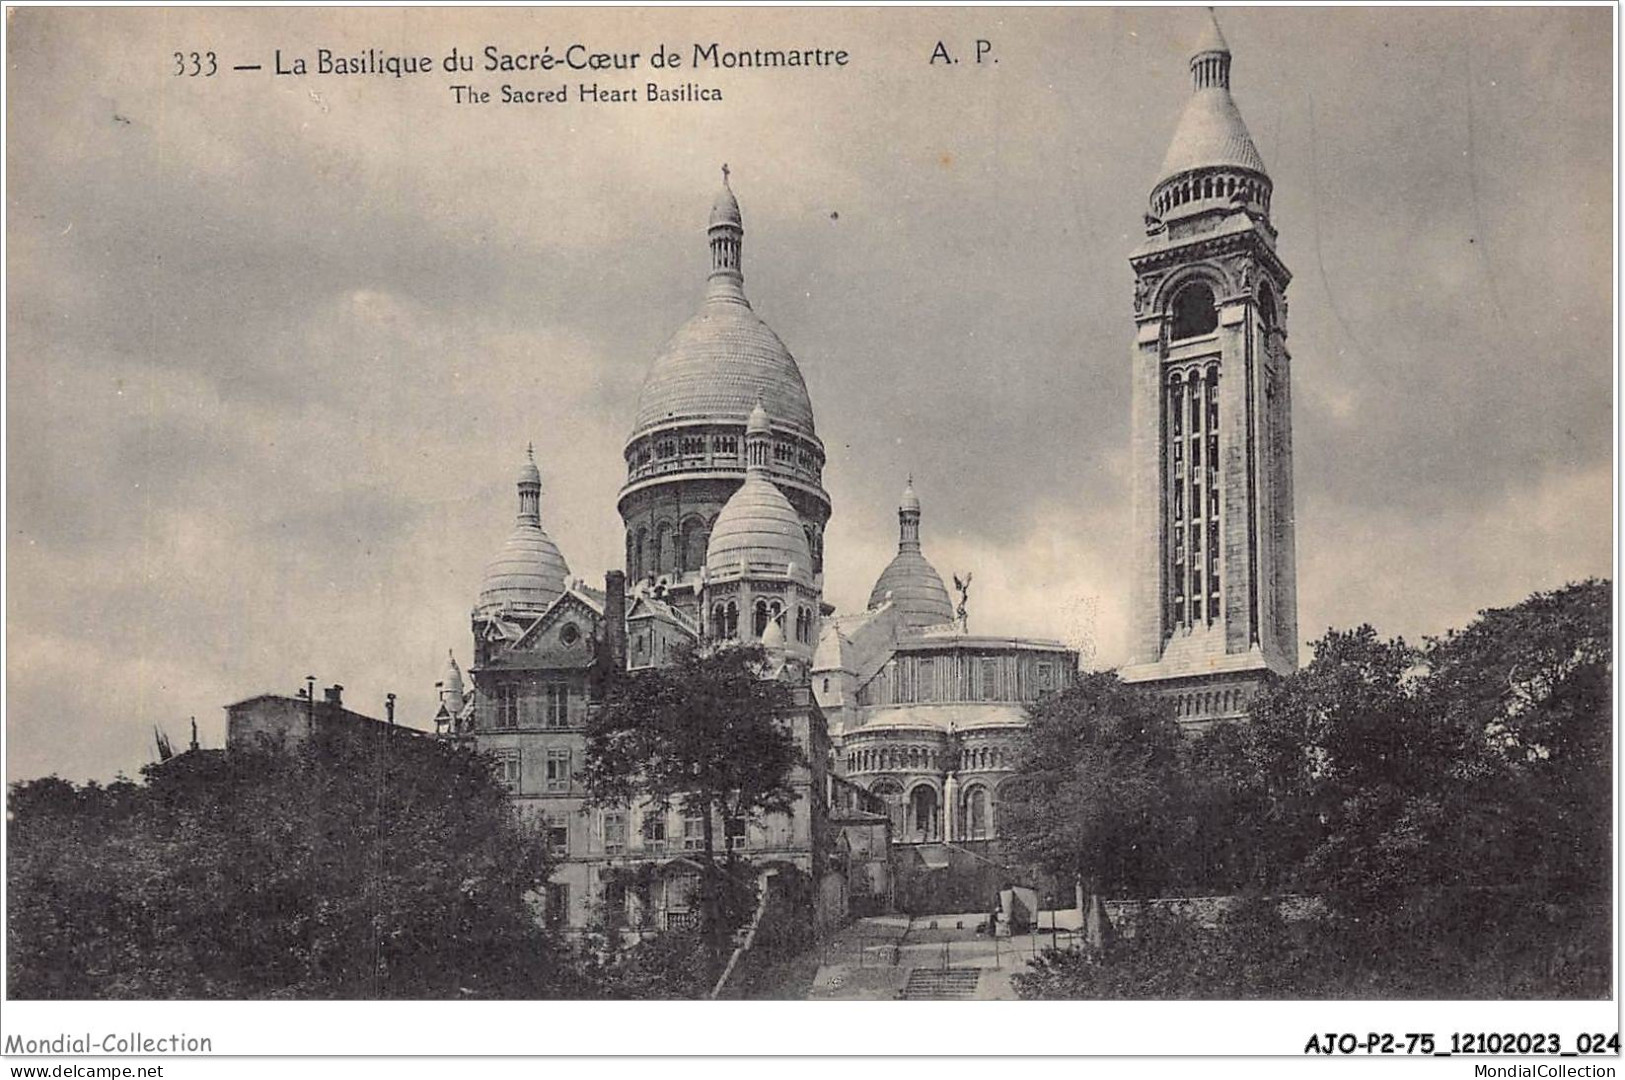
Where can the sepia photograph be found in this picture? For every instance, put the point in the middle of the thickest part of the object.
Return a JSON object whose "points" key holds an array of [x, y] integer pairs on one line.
{"points": [[1091, 508]]}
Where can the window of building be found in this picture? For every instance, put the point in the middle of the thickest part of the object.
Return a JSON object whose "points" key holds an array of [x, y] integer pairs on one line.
{"points": [[976, 813], [570, 634], [558, 904], [693, 832], [1046, 677], [989, 671], [615, 894], [1194, 312], [556, 705], [557, 777], [614, 832], [760, 622], [507, 706], [736, 832], [508, 769], [924, 674], [558, 839], [727, 444], [654, 832]]}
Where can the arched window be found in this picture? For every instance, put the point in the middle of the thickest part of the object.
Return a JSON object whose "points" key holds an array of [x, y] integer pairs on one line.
{"points": [[719, 621], [1266, 308], [760, 622], [640, 561], [666, 547], [976, 814], [1194, 311], [732, 628]]}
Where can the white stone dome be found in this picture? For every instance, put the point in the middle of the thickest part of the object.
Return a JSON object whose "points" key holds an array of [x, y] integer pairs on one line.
{"points": [[718, 365], [528, 572], [915, 588], [758, 532], [725, 359]]}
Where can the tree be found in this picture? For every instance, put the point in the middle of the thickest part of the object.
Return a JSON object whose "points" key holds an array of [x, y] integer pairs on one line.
{"points": [[1526, 695], [705, 734], [1098, 790], [1338, 747], [354, 865]]}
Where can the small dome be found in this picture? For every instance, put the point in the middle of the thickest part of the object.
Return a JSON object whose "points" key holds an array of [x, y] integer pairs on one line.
{"points": [[911, 501], [758, 419], [528, 472], [725, 211], [916, 589], [759, 528], [527, 574], [773, 636], [453, 678]]}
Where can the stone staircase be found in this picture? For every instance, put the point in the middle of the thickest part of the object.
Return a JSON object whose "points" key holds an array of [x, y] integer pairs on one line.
{"points": [[942, 984]]}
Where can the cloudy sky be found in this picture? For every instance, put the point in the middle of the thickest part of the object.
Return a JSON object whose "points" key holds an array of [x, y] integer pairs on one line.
{"points": [[277, 343]]}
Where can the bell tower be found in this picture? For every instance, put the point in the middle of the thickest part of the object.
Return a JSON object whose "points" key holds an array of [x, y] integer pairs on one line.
{"points": [[1214, 585]]}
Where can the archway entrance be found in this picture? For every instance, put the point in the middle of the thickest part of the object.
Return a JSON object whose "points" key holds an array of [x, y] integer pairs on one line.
{"points": [[924, 815]]}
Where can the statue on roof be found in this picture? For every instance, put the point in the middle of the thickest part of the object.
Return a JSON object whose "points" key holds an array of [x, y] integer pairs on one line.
{"points": [[963, 589]]}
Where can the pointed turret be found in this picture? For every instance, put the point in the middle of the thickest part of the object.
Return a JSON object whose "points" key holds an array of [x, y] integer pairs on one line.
{"points": [[1212, 162], [451, 686]]}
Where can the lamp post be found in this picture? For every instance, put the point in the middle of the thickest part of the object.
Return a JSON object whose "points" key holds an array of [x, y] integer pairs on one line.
{"points": [[310, 705]]}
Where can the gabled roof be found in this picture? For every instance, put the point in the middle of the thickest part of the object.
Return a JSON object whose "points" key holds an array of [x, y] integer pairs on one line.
{"points": [[647, 607], [571, 600]]}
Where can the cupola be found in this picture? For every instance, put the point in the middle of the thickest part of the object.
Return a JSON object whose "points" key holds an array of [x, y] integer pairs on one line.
{"points": [[528, 572]]}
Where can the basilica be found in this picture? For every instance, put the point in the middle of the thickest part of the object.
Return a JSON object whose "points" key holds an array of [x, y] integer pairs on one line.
{"points": [[908, 720]]}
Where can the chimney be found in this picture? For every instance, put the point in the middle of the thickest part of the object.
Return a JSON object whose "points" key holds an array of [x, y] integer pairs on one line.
{"points": [[389, 709], [334, 696], [615, 620]]}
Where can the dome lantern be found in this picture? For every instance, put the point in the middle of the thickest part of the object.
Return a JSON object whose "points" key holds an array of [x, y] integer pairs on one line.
{"points": [[727, 234]]}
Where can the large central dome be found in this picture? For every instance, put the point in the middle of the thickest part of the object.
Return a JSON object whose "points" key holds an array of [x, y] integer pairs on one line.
{"points": [[724, 360], [719, 364]]}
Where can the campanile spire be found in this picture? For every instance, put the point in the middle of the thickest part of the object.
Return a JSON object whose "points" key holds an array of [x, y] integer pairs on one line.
{"points": [[1214, 587]]}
